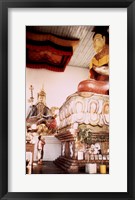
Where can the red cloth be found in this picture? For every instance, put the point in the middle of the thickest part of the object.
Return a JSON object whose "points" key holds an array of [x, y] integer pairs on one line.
{"points": [[47, 55]]}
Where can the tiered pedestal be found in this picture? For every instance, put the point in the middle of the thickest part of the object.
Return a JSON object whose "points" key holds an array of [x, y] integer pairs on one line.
{"points": [[82, 108], [70, 160]]}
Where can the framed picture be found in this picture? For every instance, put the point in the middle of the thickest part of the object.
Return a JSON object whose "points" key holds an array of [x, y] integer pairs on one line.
{"points": [[26, 44]]}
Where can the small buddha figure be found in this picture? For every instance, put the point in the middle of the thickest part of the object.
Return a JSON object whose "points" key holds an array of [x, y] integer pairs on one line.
{"points": [[99, 65], [41, 115], [39, 111]]}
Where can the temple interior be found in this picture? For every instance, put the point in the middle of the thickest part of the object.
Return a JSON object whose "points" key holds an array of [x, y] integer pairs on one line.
{"points": [[67, 100]]}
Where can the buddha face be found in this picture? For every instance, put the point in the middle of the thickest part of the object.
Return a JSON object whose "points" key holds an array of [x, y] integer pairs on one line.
{"points": [[98, 42], [41, 99]]}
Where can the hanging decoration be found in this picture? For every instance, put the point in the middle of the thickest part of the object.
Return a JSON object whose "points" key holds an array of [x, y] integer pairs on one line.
{"points": [[47, 51]]}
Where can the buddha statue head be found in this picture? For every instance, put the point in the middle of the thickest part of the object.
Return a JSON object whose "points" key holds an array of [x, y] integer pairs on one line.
{"points": [[100, 37], [98, 42]]}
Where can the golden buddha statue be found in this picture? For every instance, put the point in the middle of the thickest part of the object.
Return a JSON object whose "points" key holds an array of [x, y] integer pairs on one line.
{"points": [[99, 64]]}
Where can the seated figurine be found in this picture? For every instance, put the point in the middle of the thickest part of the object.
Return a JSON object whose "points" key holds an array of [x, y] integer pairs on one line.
{"points": [[39, 113]]}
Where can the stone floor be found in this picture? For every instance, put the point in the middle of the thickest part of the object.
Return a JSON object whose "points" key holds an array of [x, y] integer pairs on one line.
{"points": [[47, 167]]}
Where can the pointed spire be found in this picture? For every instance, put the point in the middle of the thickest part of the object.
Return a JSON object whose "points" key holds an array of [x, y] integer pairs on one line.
{"points": [[42, 92]]}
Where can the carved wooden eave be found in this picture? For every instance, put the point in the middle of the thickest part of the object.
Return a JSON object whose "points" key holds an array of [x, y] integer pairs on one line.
{"points": [[66, 134]]}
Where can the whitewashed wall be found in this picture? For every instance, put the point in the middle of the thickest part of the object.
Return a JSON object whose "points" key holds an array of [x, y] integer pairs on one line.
{"points": [[57, 85], [52, 148]]}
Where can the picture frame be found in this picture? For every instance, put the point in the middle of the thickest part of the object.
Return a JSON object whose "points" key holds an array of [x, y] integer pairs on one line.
{"points": [[4, 101]]}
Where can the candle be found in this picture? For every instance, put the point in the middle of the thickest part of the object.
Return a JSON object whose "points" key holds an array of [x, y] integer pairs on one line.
{"points": [[80, 155], [87, 156], [96, 157], [102, 169], [86, 168], [91, 168]]}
